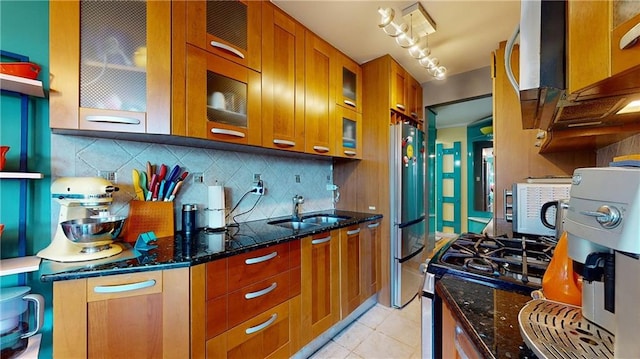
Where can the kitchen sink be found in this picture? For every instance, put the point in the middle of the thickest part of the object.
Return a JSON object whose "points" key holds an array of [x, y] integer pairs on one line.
{"points": [[309, 222], [324, 219], [293, 224]]}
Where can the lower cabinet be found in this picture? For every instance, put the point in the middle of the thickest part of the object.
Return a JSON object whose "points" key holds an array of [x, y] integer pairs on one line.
{"points": [[138, 315], [455, 341], [370, 258], [247, 305], [320, 285], [267, 335], [351, 268]]}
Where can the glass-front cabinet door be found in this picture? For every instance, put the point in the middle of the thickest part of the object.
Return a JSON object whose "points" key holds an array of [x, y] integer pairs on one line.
{"points": [[349, 83], [223, 99], [122, 50], [349, 123], [230, 29]]}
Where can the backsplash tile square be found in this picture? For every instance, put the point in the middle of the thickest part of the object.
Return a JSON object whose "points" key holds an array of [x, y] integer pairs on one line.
{"points": [[85, 156]]}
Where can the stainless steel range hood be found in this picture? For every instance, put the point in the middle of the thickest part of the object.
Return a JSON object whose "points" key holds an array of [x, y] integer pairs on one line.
{"points": [[544, 101], [542, 59]]}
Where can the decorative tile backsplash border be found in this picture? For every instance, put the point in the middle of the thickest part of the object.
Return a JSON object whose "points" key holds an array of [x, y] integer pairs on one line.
{"points": [[85, 156]]}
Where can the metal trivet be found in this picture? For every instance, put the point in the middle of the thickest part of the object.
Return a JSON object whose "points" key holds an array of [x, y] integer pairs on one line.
{"points": [[557, 330]]}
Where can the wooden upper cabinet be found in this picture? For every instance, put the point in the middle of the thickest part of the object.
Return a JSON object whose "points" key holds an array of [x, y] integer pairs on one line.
{"points": [[319, 96], [625, 36], [348, 80], [349, 138], [223, 100], [231, 29], [590, 61], [110, 66], [414, 89], [282, 80], [399, 81]]}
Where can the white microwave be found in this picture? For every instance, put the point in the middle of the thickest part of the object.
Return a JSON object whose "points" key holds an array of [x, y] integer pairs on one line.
{"points": [[526, 204]]}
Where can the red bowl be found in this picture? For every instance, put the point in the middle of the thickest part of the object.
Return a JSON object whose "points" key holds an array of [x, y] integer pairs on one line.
{"points": [[23, 69]]}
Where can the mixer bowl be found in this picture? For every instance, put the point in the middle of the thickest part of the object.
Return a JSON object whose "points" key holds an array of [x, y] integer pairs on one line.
{"points": [[93, 231]]}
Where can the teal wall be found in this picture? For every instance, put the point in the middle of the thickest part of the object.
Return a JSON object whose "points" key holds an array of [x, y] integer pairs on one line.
{"points": [[24, 29]]}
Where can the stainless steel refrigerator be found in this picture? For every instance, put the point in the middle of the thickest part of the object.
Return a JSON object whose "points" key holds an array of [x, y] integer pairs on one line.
{"points": [[408, 196]]}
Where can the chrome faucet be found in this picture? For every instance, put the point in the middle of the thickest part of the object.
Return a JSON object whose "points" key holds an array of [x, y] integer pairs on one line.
{"points": [[297, 201]]}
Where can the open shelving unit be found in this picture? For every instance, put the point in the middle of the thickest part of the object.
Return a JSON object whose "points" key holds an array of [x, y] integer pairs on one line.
{"points": [[25, 89]]}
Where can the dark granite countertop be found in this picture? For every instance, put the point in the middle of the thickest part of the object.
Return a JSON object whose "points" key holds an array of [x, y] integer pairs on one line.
{"points": [[489, 316], [180, 251]]}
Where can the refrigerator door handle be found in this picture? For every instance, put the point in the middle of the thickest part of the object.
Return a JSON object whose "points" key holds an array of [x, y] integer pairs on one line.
{"points": [[402, 260], [412, 222]]}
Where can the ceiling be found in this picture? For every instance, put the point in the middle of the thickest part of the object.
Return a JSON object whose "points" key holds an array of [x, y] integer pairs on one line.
{"points": [[467, 31]]}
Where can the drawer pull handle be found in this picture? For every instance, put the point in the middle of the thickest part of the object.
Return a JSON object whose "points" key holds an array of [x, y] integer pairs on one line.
{"points": [[222, 131], [321, 149], [629, 39], [414, 114], [350, 153], [321, 240], [113, 119], [261, 259], [259, 327], [228, 48], [373, 225], [124, 287], [352, 232], [262, 292], [284, 142], [400, 106], [349, 103]]}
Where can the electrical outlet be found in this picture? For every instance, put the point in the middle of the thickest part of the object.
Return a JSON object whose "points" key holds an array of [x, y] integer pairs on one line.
{"points": [[256, 177], [198, 177], [258, 189], [297, 178], [108, 175]]}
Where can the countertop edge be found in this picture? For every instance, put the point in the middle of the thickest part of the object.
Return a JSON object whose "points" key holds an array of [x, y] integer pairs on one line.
{"points": [[181, 261], [448, 299]]}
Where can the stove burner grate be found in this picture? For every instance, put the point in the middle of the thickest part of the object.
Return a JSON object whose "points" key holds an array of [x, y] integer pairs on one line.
{"points": [[522, 260]]}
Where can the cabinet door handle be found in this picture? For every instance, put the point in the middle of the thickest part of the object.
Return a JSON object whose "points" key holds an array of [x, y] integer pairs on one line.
{"points": [[373, 225], [400, 106], [228, 48], [414, 114], [349, 103], [321, 240], [321, 149], [352, 232], [629, 39], [124, 287], [284, 142], [262, 292], [222, 131], [113, 119], [350, 153], [457, 340], [259, 327], [261, 259]]}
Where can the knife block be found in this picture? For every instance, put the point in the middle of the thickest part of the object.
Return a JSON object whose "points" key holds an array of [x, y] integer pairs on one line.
{"points": [[156, 217]]}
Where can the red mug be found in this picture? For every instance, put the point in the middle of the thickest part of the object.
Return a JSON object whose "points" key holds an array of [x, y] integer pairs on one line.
{"points": [[3, 153]]}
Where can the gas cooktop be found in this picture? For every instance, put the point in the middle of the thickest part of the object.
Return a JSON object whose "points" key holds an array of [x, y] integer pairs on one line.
{"points": [[505, 263]]}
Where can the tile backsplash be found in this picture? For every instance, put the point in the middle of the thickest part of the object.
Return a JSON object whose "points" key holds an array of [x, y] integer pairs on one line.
{"points": [[77, 156]]}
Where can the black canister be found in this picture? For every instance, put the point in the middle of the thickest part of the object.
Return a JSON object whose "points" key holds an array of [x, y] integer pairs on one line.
{"points": [[189, 212]]}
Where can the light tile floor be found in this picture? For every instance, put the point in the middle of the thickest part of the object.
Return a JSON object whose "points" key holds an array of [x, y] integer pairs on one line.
{"points": [[381, 332]]}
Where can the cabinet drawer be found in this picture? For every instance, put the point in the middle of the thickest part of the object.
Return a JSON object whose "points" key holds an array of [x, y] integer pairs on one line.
{"points": [[265, 336], [124, 285], [256, 298], [257, 265]]}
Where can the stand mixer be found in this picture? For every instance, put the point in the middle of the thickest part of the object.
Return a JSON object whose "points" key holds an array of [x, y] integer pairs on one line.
{"points": [[81, 236]]}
